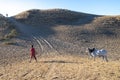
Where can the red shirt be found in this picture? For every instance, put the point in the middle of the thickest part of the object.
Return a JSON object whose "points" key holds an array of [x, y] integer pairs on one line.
{"points": [[32, 52]]}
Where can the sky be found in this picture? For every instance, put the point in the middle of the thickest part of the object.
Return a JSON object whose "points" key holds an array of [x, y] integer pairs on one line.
{"points": [[99, 7]]}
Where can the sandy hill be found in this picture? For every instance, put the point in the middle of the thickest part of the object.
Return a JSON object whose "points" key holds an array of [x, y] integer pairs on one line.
{"points": [[84, 30], [71, 24], [38, 17]]}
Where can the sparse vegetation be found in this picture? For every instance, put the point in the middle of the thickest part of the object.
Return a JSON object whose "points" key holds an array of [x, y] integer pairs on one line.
{"points": [[7, 29], [9, 43], [13, 33]]}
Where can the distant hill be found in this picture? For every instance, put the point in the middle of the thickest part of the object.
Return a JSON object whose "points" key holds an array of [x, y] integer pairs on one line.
{"points": [[38, 17], [7, 29], [86, 24]]}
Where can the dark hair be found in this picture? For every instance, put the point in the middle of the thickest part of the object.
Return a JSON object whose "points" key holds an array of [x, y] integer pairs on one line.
{"points": [[31, 45]]}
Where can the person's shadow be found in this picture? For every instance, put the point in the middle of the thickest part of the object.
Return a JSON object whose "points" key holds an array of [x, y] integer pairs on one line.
{"points": [[58, 61]]}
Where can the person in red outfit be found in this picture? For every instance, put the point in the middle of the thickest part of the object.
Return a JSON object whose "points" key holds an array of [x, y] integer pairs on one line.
{"points": [[32, 53]]}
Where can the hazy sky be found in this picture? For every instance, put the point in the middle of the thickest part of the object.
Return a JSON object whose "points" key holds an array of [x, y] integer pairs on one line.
{"points": [[102, 7]]}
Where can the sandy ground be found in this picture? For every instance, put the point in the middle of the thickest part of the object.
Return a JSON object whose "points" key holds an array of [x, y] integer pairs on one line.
{"points": [[61, 68]]}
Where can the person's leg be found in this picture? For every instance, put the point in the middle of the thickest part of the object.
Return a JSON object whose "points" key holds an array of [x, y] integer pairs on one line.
{"points": [[35, 58]]}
